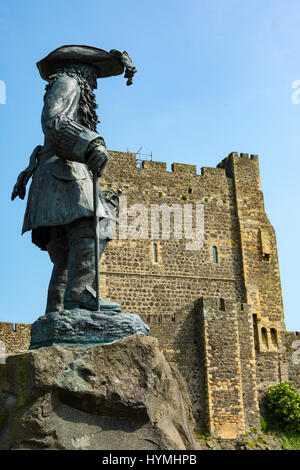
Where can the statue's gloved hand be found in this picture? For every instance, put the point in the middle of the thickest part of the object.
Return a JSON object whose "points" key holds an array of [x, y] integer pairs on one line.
{"points": [[24, 176], [20, 186], [96, 159]]}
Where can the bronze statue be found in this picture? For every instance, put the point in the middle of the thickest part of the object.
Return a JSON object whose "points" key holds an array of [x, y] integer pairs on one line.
{"points": [[60, 206]]}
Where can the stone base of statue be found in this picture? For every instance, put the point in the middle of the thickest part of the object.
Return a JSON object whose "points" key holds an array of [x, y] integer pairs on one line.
{"points": [[122, 395], [78, 327]]}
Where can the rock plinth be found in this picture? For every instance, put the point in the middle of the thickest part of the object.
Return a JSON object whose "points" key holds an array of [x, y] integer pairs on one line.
{"points": [[83, 327], [117, 396]]}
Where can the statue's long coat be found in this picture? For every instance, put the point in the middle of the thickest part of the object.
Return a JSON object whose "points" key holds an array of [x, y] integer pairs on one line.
{"points": [[62, 187]]}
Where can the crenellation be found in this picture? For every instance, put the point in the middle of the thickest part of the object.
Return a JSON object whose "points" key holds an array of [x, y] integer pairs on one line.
{"points": [[128, 164], [219, 303], [154, 166], [183, 169], [16, 337], [127, 159], [4, 326], [152, 318], [213, 172]]}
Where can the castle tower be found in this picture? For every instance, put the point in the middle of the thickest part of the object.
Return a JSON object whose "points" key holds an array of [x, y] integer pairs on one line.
{"points": [[235, 274], [227, 346], [260, 268]]}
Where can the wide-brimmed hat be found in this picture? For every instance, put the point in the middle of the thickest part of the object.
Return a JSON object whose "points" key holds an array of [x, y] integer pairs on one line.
{"points": [[107, 64]]}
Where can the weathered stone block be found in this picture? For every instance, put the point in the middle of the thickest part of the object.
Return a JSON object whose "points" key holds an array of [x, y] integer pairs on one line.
{"points": [[122, 395]]}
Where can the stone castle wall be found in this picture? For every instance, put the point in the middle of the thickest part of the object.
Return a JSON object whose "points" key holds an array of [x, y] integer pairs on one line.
{"points": [[231, 384], [179, 339], [16, 338], [217, 311], [292, 343], [180, 276]]}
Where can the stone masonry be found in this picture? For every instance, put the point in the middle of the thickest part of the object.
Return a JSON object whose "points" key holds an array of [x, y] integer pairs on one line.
{"points": [[16, 338], [217, 311]]}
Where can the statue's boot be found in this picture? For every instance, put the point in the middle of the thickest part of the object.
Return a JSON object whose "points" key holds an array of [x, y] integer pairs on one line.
{"points": [[108, 306], [56, 289], [80, 289]]}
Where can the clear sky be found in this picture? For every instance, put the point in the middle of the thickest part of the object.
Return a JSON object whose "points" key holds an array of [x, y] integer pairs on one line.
{"points": [[214, 76]]}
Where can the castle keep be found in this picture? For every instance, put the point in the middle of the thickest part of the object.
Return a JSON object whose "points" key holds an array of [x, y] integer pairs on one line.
{"points": [[216, 311]]}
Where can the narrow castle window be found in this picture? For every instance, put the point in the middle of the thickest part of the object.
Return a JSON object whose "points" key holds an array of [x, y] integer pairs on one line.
{"points": [[222, 305], [274, 337], [255, 330], [215, 254], [155, 253], [264, 337]]}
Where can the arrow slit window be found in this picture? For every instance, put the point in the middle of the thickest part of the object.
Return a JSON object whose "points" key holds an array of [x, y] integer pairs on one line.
{"points": [[155, 253], [215, 254]]}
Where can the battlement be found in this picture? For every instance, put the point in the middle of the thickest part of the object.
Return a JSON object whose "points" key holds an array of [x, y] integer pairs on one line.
{"points": [[236, 155], [13, 327], [153, 318], [209, 171], [184, 168], [154, 166], [129, 161], [246, 156], [293, 333], [224, 305], [16, 337]]}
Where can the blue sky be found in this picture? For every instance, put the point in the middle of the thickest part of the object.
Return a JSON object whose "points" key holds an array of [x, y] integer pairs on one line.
{"points": [[214, 76]]}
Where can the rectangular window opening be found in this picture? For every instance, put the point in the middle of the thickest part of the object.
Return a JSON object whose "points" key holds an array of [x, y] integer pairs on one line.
{"points": [[155, 253], [215, 254]]}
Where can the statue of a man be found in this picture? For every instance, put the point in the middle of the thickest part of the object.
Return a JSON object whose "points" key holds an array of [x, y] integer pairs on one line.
{"points": [[60, 202]]}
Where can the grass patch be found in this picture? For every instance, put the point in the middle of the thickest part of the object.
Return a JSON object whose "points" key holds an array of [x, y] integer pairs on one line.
{"points": [[264, 426], [290, 440]]}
